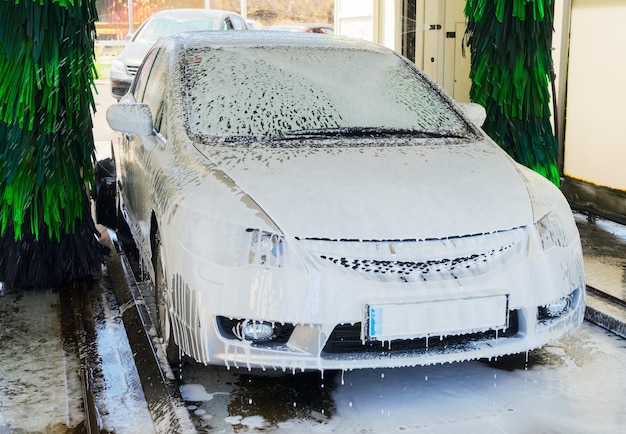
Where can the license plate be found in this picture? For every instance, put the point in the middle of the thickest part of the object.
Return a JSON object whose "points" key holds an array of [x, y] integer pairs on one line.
{"points": [[386, 322]]}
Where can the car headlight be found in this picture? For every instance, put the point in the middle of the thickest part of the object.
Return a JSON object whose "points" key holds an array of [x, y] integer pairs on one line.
{"points": [[551, 232], [266, 248], [554, 221], [118, 69], [557, 228]]}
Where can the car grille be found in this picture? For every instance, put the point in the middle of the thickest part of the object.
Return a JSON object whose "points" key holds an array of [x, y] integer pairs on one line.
{"points": [[419, 260], [132, 70], [346, 339], [407, 268], [119, 92]]}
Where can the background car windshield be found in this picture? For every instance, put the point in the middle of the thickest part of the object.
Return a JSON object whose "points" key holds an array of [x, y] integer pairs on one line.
{"points": [[263, 92], [160, 26]]}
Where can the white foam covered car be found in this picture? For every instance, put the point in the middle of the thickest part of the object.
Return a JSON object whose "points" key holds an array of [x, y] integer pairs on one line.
{"points": [[311, 202]]}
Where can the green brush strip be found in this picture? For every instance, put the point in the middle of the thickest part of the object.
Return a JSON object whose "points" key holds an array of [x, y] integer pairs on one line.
{"points": [[510, 43], [46, 148]]}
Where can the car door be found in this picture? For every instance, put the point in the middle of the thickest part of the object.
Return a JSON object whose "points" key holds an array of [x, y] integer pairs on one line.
{"points": [[153, 148], [137, 174]]}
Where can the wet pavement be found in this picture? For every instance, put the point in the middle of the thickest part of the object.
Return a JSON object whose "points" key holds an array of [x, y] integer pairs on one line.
{"points": [[570, 386], [47, 370], [36, 361], [66, 365], [604, 250], [604, 246]]}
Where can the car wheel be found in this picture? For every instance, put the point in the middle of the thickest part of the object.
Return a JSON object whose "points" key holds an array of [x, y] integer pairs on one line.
{"points": [[106, 193], [123, 230], [164, 325]]}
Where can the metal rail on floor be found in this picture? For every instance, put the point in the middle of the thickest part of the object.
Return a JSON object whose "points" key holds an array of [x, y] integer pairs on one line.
{"points": [[163, 397]]}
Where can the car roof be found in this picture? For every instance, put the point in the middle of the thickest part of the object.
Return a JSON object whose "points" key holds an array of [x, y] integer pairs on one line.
{"points": [[301, 26], [190, 12], [266, 38]]}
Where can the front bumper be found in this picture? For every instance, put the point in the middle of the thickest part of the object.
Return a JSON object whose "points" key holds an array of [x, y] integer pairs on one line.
{"points": [[120, 86], [322, 312], [311, 348]]}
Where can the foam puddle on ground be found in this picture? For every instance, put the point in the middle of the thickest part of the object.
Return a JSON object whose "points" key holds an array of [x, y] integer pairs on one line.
{"points": [[40, 389]]}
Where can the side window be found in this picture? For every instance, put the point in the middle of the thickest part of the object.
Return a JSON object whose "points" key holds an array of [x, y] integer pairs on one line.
{"points": [[227, 24], [237, 23], [154, 95], [139, 84]]}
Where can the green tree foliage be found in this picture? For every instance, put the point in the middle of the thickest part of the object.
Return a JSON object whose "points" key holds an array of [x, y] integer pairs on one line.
{"points": [[47, 235], [510, 43]]}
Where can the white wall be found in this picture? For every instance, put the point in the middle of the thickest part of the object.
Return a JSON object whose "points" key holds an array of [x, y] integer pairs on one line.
{"points": [[595, 142], [390, 13], [355, 19], [373, 20]]}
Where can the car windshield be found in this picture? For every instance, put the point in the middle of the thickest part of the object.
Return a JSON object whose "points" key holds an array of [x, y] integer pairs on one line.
{"points": [[160, 26], [247, 93]]}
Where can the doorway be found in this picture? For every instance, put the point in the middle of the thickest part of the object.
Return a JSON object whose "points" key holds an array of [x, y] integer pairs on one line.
{"points": [[432, 37]]}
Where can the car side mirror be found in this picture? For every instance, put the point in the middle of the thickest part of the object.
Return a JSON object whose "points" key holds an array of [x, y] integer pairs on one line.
{"points": [[475, 112], [133, 118]]}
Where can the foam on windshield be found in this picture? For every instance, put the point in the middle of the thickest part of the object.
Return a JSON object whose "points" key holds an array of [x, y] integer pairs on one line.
{"points": [[266, 92]]}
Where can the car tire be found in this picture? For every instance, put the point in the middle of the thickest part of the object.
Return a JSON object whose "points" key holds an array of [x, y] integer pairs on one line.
{"points": [[106, 193], [163, 320], [123, 230]]}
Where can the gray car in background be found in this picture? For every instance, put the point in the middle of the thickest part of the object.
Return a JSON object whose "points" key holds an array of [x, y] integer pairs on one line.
{"points": [[124, 67], [326, 29]]}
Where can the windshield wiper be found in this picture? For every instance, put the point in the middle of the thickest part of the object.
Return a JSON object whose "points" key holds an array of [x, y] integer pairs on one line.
{"points": [[372, 132], [348, 132]]}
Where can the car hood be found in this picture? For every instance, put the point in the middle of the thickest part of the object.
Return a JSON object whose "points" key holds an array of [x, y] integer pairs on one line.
{"points": [[381, 193], [134, 52]]}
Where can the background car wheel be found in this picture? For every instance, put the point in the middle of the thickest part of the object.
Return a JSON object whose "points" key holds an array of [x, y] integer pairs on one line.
{"points": [[164, 325], [106, 193]]}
